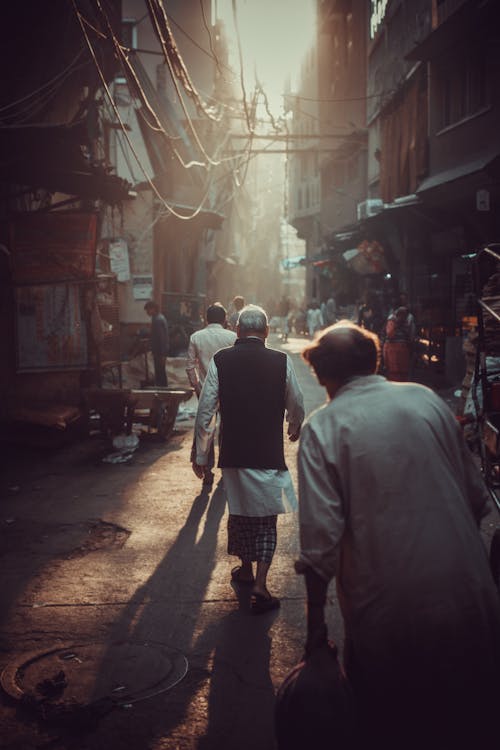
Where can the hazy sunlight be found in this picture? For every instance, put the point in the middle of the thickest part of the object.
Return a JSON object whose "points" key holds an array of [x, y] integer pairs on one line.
{"points": [[274, 35]]}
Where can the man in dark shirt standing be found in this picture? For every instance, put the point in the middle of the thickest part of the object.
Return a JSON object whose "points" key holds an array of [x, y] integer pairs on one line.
{"points": [[159, 342]]}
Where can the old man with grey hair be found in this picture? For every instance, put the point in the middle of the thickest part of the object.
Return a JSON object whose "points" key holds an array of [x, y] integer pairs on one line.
{"points": [[255, 388]]}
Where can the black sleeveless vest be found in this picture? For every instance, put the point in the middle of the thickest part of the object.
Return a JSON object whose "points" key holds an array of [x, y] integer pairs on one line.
{"points": [[252, 386]]}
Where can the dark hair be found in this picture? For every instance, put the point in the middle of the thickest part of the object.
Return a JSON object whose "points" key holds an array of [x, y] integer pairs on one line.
{"points": [[342, 351], [150, 305], [216, 313]]}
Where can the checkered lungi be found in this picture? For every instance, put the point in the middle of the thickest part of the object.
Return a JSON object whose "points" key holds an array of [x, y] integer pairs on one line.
{"points": [[252, 539]]}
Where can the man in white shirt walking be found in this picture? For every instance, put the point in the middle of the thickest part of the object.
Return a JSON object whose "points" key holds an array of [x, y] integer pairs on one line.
{"points": [[254, 387], [202, 346]]}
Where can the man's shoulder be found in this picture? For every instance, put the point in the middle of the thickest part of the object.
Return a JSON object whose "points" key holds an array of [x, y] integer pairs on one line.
{"points": [[224, 352], [217, 334], [277, 353], [226, 334]]}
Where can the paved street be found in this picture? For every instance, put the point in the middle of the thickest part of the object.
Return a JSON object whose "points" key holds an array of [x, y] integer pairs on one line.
{"points": [[121, 572], [94, 553]]}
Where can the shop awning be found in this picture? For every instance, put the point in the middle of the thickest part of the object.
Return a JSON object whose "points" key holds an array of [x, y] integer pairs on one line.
{"points": [[52, 157], [484, 163]]}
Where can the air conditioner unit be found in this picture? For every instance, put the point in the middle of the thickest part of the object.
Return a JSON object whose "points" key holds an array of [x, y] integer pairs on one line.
{"points": [[369, 208]]}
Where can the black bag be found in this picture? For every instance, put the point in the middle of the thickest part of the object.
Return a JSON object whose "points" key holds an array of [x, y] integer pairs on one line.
{"points": [[315, 705]]}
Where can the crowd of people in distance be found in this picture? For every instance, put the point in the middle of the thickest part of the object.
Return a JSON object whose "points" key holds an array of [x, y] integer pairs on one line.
{"points": [[395, 326]]}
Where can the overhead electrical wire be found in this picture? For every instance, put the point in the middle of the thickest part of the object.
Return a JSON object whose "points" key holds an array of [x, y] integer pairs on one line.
{"points": [[242, 77], [251, 155], [210, 41], [55, 78], [213, 57], [161, 24], [341, 101], [260, 89], [155, 190], [38, 98], [234, 171], [137, 86]]}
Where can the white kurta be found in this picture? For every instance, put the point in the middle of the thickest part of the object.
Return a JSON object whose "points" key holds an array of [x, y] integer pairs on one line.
{"points": [[389, 502], [250, 492], [203, 344]]}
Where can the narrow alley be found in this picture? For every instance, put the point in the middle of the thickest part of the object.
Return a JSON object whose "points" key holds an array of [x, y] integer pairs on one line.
{"points": [[95, 555]]}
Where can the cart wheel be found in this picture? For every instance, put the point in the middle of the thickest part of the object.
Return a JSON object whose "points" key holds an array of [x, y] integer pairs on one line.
{"points": [[495, 558]]}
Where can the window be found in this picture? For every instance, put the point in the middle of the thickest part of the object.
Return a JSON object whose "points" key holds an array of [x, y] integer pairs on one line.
{"points": [[464, 91], [129, 33]]}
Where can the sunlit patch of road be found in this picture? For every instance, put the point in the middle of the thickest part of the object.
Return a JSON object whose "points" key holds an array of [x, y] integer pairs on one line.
{"points": [[294, 344]]}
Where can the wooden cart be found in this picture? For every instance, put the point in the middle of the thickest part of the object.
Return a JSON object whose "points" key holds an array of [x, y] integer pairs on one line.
{"points": [[157, 408], [119, 409]]}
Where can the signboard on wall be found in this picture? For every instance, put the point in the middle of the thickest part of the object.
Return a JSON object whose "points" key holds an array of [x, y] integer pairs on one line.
{"points": [[51, 333], [119, 259], [56, 246], [142, 287]]}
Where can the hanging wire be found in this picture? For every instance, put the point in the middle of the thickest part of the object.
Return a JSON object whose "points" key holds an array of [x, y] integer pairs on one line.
{"points": [[61, 74], [210, 40], [133, 80], [234, 171], [164, 33], [137, 86], [172, 69], [261, 91], [341, 101], [33, 105], [242, 77], [155, 190]]}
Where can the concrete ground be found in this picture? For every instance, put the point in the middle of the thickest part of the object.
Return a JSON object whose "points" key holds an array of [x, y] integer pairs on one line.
{"points": [[96, 553], [117, 575]]}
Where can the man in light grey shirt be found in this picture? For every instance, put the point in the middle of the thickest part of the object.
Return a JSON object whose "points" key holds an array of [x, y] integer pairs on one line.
{"points": [[203, 344]]}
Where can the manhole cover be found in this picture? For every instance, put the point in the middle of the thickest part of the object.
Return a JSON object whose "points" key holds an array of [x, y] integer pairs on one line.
{"points": [[125, 672]]}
